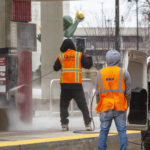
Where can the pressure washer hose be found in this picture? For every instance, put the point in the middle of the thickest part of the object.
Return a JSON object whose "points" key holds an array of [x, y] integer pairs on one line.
{"points": [[20, 86], [91, 113], [92, 119]]}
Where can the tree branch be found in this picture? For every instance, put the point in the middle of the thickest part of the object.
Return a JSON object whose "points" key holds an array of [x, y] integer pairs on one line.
{"points": [[148, 1]]}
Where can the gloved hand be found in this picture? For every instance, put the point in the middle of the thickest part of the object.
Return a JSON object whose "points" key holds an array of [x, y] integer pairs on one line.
{"points": [[87, 56]]}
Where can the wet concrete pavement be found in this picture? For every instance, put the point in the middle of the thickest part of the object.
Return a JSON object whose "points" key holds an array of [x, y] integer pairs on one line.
{"points": [[45, 134]]}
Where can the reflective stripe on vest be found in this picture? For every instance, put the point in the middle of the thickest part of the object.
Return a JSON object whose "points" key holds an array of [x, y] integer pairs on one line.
{"points": [[71, 70], [77, 70], [62, 60], [119, 90], [77, 66]]}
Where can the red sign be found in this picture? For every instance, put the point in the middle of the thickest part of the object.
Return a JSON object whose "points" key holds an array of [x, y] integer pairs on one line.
{"points": [[2, 74], [22, 10]]}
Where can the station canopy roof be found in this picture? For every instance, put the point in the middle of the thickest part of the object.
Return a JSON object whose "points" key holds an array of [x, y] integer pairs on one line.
{"points": [[53, 0]]}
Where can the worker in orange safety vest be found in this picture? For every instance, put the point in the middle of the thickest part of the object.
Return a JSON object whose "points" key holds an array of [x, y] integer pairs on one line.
{"points": [[113, 90], [70, 62]]}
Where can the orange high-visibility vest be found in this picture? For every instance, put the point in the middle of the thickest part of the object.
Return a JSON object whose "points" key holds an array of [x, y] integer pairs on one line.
{"points": [[71, 68], [111, 87]]}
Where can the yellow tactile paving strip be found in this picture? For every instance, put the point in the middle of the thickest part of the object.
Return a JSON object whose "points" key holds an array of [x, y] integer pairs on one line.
{"points": [[56, 139]]}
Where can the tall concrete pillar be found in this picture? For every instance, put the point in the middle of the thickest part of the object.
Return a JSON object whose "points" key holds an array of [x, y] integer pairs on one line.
{"points": [[52, 36], [5, 17], [2, 25]]}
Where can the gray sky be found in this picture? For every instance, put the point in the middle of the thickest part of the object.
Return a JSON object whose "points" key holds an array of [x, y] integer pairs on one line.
{"points": [[93, 12]]}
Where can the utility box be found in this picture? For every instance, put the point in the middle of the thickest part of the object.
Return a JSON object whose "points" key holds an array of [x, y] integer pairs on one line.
{"points": [[138, 107], [136, 63], [23, 36]]}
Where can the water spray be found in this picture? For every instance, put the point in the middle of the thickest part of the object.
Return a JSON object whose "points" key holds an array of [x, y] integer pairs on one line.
{"points": [[22, 85]]}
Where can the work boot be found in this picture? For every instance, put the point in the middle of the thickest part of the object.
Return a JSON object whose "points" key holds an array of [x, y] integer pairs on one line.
{"points": [[65, 127], [88, 127]]}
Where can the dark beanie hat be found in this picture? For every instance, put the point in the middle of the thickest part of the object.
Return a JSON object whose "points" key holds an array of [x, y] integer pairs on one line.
{"points": [[67, 44]]}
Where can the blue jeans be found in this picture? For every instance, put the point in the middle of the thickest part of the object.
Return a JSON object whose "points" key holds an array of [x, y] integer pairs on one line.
{"points": [[120, 122]]}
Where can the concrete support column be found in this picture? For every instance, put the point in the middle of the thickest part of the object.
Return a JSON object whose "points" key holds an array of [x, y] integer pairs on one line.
{"points": [[5, 17], [52, 36]]}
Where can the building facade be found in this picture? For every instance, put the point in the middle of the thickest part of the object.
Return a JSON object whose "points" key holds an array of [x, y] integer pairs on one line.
{"points": [[96, 41]]}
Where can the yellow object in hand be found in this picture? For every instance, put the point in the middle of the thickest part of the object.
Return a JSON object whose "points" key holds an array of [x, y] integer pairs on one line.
{"points": [[79, 15], [40, 28]]}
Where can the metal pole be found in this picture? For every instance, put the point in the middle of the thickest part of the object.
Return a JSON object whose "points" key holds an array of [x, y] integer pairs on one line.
{"points": [[117, 29], [137, 29], [102, 15], [108, 24]]}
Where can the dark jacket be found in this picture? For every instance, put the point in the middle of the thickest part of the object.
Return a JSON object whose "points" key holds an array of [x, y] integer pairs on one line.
{"points": [[86, 62]]}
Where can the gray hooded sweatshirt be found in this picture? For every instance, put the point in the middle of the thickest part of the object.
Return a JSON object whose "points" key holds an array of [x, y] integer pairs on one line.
{"points": [[113, 59]]}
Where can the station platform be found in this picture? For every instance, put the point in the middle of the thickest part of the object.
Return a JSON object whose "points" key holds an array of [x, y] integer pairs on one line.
{"points": [[45, 134]]}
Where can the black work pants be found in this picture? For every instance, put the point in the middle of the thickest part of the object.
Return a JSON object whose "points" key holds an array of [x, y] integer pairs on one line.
{"points": [[79, 97]]}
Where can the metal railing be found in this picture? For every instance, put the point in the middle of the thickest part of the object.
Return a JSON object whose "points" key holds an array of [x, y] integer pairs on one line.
{"points": [[55, 95]]}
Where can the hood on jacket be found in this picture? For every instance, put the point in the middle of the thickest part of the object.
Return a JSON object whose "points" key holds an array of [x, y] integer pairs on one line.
{"points": [[67, 44], [113, 58]]}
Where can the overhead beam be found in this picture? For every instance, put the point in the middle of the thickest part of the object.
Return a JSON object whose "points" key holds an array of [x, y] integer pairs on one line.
{"points": [[53, 0]]}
